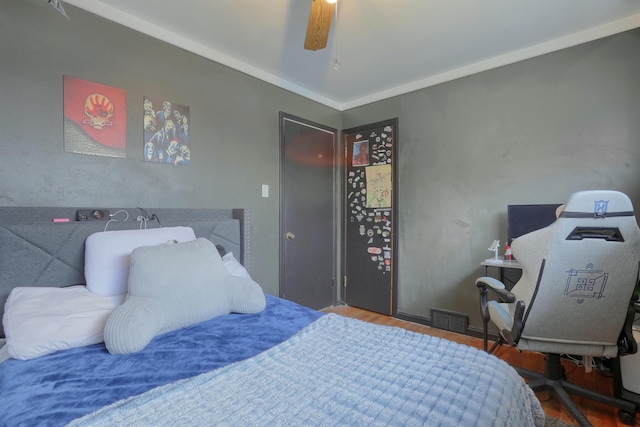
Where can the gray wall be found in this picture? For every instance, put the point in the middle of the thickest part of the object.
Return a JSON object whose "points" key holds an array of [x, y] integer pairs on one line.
{"points": [[234, 123], [531, 132]]}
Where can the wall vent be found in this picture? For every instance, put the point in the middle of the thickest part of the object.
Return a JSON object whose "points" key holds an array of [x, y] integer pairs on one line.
{"points": [[449, 320]]}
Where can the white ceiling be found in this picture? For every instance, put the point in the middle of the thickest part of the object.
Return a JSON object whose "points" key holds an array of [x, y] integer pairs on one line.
{"points": [[383, 47]]}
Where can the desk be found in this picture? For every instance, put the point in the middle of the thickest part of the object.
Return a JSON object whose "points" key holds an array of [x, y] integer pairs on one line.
{"points": [[501, 264]]}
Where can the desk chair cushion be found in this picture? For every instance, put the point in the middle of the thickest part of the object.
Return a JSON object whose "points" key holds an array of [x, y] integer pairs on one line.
{"points": [[502, 315]]}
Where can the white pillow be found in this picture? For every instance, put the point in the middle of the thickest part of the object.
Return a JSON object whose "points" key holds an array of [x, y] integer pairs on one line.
{"points": [[176, 285], [107, 253], [40, 320], [234, 267]]}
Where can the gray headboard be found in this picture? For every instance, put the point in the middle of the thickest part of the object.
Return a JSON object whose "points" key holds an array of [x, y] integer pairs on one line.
{"points": [[35, 251]]}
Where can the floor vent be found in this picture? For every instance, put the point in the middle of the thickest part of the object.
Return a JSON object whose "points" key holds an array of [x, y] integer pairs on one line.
{"points": [[449, 320]]}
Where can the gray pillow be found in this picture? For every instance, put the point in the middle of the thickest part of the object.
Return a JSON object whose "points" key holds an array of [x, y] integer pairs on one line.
{"points": [[174, 285]]}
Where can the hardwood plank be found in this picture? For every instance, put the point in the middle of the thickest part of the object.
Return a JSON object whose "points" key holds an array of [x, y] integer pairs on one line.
{"points": [[598, 414]]}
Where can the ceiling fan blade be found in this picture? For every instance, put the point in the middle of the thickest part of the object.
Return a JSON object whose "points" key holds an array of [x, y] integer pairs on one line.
{"points": [[319, 25]]}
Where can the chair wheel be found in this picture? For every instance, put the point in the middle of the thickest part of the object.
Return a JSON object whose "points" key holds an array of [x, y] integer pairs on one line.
{"points": [[628, 418]]}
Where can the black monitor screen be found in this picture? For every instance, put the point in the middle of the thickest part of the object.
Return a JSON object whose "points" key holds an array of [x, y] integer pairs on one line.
{"points": [[523, 219]]}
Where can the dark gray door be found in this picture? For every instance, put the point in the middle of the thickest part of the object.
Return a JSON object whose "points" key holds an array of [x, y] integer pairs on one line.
{"points": [[370, 217], [308, 212]]}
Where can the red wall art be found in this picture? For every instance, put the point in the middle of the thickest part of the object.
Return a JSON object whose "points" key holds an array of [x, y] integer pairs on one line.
{"points": [[95, 118]]}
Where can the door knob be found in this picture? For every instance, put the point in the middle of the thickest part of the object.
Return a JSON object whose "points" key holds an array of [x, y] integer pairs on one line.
{"points": [[290, 235]]}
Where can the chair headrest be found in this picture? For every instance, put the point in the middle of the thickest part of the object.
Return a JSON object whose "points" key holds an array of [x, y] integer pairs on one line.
{"points": [[598, 204]]}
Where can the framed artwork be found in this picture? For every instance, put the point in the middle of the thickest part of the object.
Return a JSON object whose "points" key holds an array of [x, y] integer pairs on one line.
{"points": [[360, 153], [167, 133], [95, 118]]}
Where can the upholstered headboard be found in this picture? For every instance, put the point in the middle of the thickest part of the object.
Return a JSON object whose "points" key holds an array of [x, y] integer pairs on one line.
{"points": [[36, 251]]}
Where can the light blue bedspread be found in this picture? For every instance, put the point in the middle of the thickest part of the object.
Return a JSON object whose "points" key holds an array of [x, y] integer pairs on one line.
{"points": [[341, 371]]}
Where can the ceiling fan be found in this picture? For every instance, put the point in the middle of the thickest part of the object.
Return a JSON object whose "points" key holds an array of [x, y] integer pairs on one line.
{"points": [[319, 24]]}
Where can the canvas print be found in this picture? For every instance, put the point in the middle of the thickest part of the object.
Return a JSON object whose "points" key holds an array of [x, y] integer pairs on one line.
{"points": [[167, 137], [95, 118]]}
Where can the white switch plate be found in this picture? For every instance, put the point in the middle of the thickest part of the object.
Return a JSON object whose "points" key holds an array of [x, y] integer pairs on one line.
{"points": [[265, 190]]}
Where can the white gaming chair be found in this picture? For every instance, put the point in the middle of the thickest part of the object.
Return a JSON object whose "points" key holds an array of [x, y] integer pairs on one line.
{"points": [[576, 293]]}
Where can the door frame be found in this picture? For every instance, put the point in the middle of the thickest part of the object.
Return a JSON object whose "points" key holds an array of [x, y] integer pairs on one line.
{"points": [[336, 194]]}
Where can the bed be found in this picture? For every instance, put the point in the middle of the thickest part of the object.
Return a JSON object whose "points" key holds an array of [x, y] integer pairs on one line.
{"points": [[282, 365]]}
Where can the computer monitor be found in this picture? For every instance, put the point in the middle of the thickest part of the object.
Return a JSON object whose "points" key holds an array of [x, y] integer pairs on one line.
{"points": [[523, 219]]}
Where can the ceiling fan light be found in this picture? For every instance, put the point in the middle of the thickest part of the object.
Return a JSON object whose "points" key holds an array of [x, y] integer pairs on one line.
{"points": [[331, 1]]}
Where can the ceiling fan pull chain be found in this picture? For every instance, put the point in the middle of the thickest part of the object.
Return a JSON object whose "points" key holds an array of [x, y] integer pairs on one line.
{"points": [[336, 64]]}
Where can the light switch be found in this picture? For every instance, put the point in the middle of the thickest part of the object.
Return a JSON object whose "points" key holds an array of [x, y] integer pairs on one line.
{"points": [[265, 190]]}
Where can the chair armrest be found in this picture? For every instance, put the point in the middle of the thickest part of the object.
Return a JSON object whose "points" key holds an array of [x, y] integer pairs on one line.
{"points": [[497, 287], [626, 342], [518, 323], [486, 284]]}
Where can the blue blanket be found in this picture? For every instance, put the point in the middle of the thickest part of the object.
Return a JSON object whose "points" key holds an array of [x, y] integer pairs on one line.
{"points": [[55, 389], [341, 371]]}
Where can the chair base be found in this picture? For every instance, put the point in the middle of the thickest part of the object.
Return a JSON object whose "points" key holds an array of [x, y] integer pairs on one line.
{"points": [[554, 380]]}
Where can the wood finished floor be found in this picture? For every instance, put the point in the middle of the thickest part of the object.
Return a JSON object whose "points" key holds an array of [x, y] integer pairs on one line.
{"points": [[598, 414]]}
